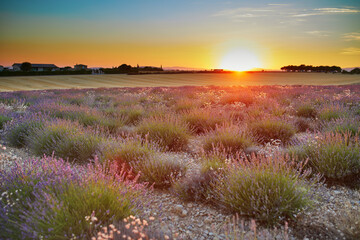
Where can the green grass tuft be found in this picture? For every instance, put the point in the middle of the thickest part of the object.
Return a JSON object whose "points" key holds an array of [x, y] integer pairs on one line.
{"points": [[306, 111], [200, 121], [333, 155], [3, 120], [268, 190], [329, 113], [231, 142], [160, 171], [65, 140], [268, 130], [18, 134], [168, 133]]}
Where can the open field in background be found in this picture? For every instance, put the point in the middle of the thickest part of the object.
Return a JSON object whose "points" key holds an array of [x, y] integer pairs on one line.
{"points": [[155, 80]]}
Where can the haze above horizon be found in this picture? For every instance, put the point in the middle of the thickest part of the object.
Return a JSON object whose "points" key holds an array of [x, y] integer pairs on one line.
{"points": [[234, 35]]}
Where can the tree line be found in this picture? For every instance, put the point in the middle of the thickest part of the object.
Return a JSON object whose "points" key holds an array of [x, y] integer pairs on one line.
{"points": [[124, 68], [310, 68], [354, 71]]}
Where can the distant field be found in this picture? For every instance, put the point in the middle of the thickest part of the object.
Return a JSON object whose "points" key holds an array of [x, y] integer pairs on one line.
{"points": [[153, 80]]}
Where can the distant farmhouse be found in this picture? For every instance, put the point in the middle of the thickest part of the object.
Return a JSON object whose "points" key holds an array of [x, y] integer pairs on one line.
{"points": [[80, 67], [35, 67]]}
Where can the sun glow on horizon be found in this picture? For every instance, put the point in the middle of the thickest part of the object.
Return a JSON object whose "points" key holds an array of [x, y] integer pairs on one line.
{"points": [[240, 60]]}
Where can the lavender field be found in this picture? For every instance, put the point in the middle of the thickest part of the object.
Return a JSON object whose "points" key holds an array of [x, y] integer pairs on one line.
{"points": [[181, 162]]}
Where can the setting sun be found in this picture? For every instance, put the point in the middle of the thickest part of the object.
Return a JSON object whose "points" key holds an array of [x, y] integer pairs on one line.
{"points": [[240, 60]]}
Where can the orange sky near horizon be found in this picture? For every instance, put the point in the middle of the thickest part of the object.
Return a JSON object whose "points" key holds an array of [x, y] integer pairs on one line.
{"points": [[186, 55], [108, 55]]}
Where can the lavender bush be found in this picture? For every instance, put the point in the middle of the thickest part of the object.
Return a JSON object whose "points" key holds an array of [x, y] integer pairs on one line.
{"points": [[306, 111], [3, 120], [268, 130], [49, 198], [168, 132], [231, 141], [336, 156], [268, 189], [160, 171], [200, 121], [18, 131], [199, 187], [64, 139]]}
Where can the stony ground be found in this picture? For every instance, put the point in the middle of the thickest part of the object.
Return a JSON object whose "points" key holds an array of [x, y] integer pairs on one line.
{"points": [[188, 220]]}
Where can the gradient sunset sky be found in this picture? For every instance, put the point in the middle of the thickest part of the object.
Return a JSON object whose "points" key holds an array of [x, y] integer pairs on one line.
{"points": [[198, 33]]}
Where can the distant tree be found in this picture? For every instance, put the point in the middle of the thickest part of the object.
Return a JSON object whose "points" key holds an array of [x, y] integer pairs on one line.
{"points": [[335, 69], [67, 68], [310, 68], [151, 69], [25, 66], [302, 68], [124, 68], [355, 71]]}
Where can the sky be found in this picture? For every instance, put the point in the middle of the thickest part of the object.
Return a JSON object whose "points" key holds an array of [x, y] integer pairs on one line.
{"points": [[195, 34]]}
